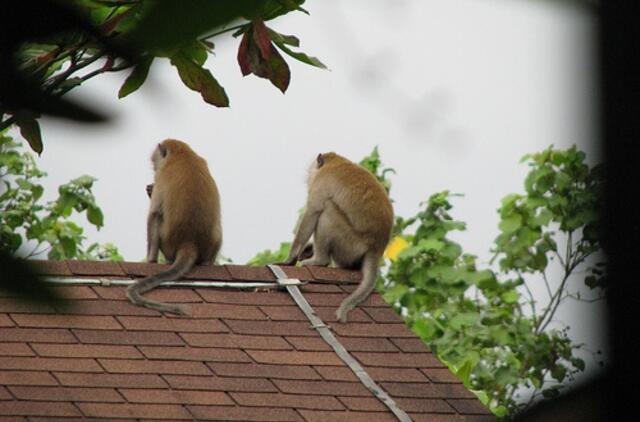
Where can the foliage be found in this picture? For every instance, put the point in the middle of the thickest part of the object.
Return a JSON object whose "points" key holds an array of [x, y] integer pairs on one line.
{"points": [[267, 256], [373, 163], [485, 324], [95, 37], [25, 220]]}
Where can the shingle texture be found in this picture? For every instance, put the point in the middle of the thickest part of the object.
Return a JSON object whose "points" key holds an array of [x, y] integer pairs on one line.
{"points": [[240, 356]]}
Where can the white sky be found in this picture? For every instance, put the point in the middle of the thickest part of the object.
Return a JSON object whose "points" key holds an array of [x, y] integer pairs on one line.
{"points": [[454, 93]]}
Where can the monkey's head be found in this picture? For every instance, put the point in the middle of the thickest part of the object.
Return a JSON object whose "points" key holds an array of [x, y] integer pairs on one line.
{"points": [[323, 160], [326, 157], [167, 148]]}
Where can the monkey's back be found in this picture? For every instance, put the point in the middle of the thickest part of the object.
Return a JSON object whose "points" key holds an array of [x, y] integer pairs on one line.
{"points": [[191, 213], [360, 197]]}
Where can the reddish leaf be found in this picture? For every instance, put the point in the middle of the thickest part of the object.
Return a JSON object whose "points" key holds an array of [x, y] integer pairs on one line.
{"points": [[108, 65], [43, 58], [30, 130], [262, 38], [243, 54], [262, 60], [209, 45], [279, 73]]}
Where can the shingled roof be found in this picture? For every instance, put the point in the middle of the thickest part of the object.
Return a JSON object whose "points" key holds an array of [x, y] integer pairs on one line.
{"points": [[241, 355]]}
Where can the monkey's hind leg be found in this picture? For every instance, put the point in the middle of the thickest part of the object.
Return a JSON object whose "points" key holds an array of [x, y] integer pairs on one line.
{"points": [[321, 243]]}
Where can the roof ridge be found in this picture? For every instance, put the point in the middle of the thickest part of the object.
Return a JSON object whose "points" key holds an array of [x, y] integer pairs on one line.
{"points": [[225, 272]]}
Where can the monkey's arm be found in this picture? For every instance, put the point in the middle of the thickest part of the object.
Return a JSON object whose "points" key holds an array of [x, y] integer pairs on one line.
{"points": [[153, 236], [153, 229]]}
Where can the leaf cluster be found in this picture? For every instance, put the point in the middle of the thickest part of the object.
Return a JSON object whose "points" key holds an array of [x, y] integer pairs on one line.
{"points": [[373, 163], [96, 37], [562, 194], [267, 256], [473, 318], [26, 220]]}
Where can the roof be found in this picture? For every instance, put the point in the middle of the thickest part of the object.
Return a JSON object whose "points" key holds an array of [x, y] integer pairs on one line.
{"points": [[241, 355]]}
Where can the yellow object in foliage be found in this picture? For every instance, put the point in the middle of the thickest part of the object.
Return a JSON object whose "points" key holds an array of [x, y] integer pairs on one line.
{"points": [[397, 245]]}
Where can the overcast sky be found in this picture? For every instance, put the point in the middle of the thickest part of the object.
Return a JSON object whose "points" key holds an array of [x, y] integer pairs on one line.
{"points": [[453, 92]]}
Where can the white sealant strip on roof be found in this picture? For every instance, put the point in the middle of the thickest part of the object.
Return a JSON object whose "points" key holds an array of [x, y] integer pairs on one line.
{"points": [[181, 283], [340, 350]]}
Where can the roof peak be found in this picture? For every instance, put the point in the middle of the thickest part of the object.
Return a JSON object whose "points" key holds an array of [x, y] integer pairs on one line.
{"points": [[227, 272]]}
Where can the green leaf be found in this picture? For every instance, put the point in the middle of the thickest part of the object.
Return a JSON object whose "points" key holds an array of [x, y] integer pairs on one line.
{"points": [[419, 276], [284, 39], [201, 80], [510, 296], [430, 244], [543, 218], [196, 51], [69, 246], [501, 335], [136, 78], [506, 376], [500, 411], [452, 251], [563, 180], [300, 56], [510, 224], [395, 293], [578, 363], [424, 329], [10, 242], [64, 204], [464, 372], [95, 217], [84, 181], [69, 84], [464, 319], [37, 191]]}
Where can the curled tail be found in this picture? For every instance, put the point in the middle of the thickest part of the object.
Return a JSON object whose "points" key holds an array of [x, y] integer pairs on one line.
{"points": [[367, 284], [185, 260]]}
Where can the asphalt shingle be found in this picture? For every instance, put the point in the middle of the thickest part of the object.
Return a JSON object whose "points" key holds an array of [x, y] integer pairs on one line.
{"points": [[240, 355]]}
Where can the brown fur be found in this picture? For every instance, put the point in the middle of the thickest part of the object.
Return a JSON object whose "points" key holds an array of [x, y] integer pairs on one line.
{"points": [[350, 216], [184, 218]]}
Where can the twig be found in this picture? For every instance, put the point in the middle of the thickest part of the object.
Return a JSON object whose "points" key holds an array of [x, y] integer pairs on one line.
{"points": [[74, 67], [223, 31], [546, 283], [570, 296], [532, 302], [8, 122]]}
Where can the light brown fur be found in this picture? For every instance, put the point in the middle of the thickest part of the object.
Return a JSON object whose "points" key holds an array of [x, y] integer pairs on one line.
{"points": [[350, 216], [184, 218]]}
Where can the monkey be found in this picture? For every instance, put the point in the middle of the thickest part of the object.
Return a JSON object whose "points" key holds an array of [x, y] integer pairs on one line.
{"points": [[351, 218], [183, 221]]}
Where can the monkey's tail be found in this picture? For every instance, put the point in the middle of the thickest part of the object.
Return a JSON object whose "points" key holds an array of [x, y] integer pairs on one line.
{"points": [[369, 275], [185, 260]]}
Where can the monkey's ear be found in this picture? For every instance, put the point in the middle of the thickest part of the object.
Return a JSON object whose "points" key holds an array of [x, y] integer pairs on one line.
{"points": [[320, 160], [163, 150]]}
